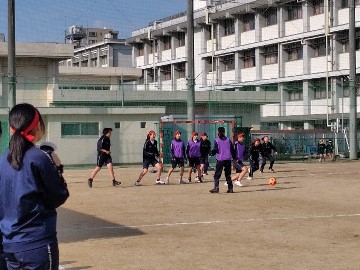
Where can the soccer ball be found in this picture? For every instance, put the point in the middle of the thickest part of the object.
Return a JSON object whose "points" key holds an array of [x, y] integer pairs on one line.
{"points": [[272, 181]]}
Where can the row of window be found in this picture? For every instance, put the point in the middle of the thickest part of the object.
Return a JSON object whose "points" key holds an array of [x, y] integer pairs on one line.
{"points": [[166, 40], [295, 90], [293, 11], [85, 128], [180, 68], [84, 87]]}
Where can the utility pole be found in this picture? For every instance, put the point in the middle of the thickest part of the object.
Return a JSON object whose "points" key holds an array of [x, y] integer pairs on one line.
{"points": [[190, 68], [352, 83], [11, 55]]}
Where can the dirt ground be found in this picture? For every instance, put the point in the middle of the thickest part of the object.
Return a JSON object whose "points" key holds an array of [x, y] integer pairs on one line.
{"points": [[309, 220]]}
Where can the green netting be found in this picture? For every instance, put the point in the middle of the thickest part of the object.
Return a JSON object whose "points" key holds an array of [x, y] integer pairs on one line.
{"points": [[5, 137]]}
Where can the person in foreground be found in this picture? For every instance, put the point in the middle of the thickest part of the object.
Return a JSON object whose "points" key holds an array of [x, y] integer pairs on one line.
{"points": [[31, 188], [224, 151]]}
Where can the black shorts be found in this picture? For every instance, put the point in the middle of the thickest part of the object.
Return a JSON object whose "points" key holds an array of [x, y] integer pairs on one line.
{"points": [[194, 161], [103, 159], [147, 162], [239, 165], [177, 162], [204, 160]]}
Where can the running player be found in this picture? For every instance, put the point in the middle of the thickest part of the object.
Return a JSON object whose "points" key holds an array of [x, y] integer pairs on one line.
{"points": [[150, 157], [330, 150], [321, 149], [205, 150], [224, 151], [268, 152], [240, 153], [177, 147], [104, 157], [254, 155]]}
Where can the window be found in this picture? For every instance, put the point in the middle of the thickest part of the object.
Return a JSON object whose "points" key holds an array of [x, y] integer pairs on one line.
{"points": [[270, 87], [142, 124], [319, 88], [167, 42], [294, 11], [270, 16], [166, 71], [103, 60], [248, 88], [357, 86], [249, 22], [319, 47], [229, 27], [151, 76], [345, 3], [80, 129], [294, 51], [249, 58], [140, 48], [271, 54], [181, 39], [208, 61], [180, 68], [92, 34], [154, 46], [296, 95], [343, 38], [318, 6], [228, 62], [295, 90]]}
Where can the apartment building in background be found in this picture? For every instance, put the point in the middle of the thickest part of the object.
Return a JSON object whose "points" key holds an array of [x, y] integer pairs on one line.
{"points": [[255, 50]]}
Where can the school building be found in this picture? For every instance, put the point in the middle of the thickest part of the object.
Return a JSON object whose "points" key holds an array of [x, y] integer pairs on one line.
{"points": [[75, 127]]}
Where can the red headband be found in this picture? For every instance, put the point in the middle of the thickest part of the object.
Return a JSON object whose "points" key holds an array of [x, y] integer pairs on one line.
{"points": [[33, 124]]}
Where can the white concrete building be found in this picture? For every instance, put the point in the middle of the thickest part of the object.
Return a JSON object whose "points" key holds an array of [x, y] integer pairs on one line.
{"points": [[276, 49], [74, 108]]}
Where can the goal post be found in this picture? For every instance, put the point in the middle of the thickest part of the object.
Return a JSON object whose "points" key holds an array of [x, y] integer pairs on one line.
{"points": [[167, 129]]}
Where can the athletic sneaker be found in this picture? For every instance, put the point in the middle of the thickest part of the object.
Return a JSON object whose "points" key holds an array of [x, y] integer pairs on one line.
{"points": [[167, 181], [230, 190], [159, 182], [238, 183], [90, 181], [199, 180], [271, 170], [116, 183], [137, 183], [249, 178], [182, 182]]}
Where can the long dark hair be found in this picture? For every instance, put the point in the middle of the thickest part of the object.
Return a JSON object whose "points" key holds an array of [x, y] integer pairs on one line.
{"points": [[20, 118]]}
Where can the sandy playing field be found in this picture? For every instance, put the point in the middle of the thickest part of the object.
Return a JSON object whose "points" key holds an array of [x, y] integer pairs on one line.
{"points": [[309, 220]]}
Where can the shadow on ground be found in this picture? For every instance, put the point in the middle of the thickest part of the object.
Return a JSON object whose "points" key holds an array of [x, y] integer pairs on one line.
{"points": [[75, 227], [65, 265]]}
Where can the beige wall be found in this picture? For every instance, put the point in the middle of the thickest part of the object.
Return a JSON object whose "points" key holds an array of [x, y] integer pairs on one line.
{"points": [[126, 142]]}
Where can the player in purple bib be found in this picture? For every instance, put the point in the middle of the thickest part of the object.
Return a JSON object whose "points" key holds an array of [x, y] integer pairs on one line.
{"points": [[193, 154], [224, 151], [177, 147]]}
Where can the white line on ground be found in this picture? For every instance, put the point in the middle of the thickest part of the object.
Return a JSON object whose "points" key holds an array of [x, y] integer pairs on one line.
{"points": [[122, 227]]}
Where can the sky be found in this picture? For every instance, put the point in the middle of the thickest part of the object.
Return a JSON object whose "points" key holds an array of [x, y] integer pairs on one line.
{"points": [[47, 20]]}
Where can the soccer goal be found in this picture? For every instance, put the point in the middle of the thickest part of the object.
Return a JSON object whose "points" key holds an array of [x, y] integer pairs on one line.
{"points": [[168, 127]]}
